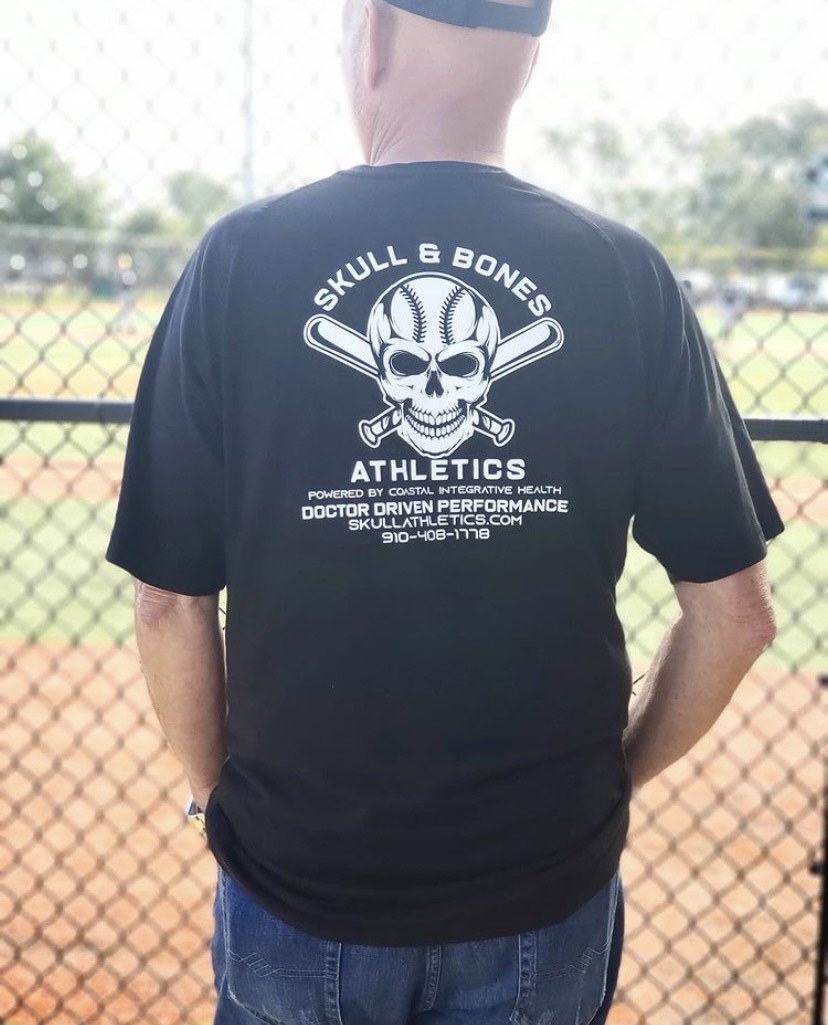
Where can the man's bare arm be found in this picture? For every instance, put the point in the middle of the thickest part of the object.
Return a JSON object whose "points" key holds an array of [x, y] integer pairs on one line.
{"points": [[182, 656], [723, 628]]}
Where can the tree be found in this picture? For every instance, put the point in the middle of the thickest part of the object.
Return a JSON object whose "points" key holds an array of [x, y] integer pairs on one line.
{"points": [[749, 190], [145, 220], [741, 186], [198, 199], [37, 186], [193, 201]]}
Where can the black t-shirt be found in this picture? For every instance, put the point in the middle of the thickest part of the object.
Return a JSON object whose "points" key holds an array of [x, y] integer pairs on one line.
{"points": [[406, 416]]}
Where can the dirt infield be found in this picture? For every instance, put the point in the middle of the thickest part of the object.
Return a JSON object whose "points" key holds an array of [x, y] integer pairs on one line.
{"points": [[107, 888], [722, 911], [96, 479], [106, 892]]}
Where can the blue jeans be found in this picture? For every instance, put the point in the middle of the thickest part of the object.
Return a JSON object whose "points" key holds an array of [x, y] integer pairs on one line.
{"points": [[268, 971]]}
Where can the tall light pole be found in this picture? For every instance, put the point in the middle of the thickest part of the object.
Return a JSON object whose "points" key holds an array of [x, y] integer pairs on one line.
{"points": [[248, 116]]}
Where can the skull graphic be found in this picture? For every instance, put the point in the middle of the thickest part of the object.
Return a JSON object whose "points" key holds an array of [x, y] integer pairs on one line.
{"points": [[433, 339]]}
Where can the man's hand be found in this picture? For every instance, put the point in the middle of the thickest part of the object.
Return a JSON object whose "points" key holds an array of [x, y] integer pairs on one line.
{"points": [[723, 628], [182, 656]]}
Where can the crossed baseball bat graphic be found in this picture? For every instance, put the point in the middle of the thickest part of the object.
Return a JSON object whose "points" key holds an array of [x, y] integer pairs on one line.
{"points": [[538, 340]]}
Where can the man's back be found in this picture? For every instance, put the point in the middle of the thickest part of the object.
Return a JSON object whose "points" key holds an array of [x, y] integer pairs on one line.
{"points": [[430, 398], [406, 416]]}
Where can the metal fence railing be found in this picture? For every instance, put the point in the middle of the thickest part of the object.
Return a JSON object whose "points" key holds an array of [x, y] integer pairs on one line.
{"points": [[111, 165]]}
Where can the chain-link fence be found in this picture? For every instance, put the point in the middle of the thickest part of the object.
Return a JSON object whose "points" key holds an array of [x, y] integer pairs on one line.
{"points": [[125, 131]]}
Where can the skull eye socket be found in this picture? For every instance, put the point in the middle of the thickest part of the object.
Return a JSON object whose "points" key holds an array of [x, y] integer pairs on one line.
{"points": [[407, 364], [461, 364]]}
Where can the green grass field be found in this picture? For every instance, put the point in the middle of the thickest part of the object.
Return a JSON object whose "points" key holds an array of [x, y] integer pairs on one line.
{"points": [[57, 588], [777, 364]]}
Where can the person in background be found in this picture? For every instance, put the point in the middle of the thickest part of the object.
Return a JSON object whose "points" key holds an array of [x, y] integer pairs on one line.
{"points": [[732, 307], [127, 280]]}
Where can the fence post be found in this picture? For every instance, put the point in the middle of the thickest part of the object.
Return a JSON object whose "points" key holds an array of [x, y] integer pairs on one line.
{"points": [[821, 869]]}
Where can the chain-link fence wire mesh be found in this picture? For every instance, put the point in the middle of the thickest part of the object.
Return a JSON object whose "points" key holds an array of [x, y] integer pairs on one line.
{"points": [[126, 130], [105, 892]]}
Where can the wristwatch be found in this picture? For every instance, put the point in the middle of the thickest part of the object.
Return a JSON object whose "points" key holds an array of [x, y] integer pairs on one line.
{"points": [[195, 816]]}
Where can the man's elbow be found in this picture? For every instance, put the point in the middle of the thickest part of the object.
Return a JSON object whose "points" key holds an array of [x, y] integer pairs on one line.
{"points": [[155, 607], [754, 632], [765, 628], [738, 609]]}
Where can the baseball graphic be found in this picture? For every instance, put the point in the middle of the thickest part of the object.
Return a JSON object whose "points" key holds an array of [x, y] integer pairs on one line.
{"points": [[433, 340], [434, 347]]}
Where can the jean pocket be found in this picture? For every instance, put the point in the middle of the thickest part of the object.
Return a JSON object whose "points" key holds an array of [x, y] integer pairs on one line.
{"points": [[571, 958], [278, 974]]}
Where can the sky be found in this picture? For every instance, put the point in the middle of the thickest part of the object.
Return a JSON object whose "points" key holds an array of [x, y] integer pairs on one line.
{"points": [[133, 91]]}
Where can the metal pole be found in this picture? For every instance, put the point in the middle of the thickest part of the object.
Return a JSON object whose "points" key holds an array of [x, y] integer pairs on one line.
{"points": [[822, 939], [248, 116]]}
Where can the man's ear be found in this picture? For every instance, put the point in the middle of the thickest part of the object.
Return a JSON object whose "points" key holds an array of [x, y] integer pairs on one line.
{"points": [[532, 67], [377, 39]]}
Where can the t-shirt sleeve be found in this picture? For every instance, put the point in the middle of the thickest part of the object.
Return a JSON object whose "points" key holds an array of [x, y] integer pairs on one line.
{"points": [[169, 526], [702, 506]]}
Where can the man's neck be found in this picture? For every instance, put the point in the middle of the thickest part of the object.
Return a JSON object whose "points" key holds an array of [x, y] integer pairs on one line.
{"points": [[421, 153], [417, 145]]}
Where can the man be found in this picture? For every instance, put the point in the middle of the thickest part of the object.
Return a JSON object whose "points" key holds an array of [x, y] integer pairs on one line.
{"points": [[406, 415]]}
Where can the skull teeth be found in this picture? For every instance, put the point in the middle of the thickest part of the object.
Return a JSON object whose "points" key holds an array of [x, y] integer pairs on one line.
{"points": [[435, 425]]}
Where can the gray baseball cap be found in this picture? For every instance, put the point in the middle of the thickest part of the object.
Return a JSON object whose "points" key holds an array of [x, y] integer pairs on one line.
{"points": [[482, 14]]}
